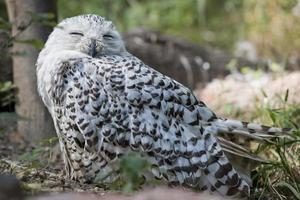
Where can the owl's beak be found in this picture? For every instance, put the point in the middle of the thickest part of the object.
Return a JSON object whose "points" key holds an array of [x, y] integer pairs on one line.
{"points": [[93, 48]]}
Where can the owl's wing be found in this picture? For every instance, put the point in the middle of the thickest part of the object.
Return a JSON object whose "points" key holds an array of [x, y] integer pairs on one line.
{"points": [[179, 125], [118, 104]]}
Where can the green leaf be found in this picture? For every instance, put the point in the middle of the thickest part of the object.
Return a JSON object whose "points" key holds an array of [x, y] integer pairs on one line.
{"points": [[131, 166], [272, 116], [37, 43], [47, 19], [228, 109], [42, 16], [4, 24], [33, 155], [7, 95], [286, 95], [49, 141], [264, 93]]}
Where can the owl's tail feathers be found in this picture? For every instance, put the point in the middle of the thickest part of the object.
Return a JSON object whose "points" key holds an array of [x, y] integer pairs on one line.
{"points": [[239, 150], [254, 131]]}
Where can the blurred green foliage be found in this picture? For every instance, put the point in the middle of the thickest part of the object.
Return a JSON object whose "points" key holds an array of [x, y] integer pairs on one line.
{"points": [[272, 25], [6, 93], [131, 167], [197, 20]]}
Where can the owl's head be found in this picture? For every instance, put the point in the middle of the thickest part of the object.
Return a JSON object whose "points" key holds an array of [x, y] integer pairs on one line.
{"points": [[88, 34]]}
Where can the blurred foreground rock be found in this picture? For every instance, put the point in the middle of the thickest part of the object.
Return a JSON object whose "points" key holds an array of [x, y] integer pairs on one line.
{"points": [[187, 63], [243, 92], [10, 187], [155, 194]]}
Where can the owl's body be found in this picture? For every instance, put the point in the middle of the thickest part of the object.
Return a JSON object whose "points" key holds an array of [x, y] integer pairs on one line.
{"points": [[105, 103]]}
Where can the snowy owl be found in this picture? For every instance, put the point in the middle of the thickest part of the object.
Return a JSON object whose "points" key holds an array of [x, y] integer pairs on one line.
{"points": [[105, 103]]}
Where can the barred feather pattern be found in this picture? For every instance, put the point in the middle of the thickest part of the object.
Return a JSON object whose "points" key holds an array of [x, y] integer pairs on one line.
{"points": [[107, 106]]}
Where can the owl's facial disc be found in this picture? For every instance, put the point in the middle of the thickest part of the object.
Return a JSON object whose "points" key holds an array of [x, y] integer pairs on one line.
{"points": [[88, 34]]}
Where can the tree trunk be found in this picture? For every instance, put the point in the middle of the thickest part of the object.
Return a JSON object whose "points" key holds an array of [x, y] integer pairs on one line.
{"points": [[5, 61], [37, 123]]}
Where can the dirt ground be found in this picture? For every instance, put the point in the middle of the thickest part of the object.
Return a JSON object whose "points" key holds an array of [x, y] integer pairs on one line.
{"points": [[38, 169], [26, 174]]}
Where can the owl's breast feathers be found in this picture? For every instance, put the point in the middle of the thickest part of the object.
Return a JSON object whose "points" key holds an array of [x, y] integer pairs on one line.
{"points": [[106, 106]]}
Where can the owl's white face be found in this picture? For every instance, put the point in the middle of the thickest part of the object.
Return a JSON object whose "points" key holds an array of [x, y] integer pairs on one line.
{"points": [[88, 34]]}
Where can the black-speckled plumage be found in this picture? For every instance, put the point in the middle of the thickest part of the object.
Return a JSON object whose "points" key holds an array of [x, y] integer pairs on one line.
{"points": [[105, 102]]}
